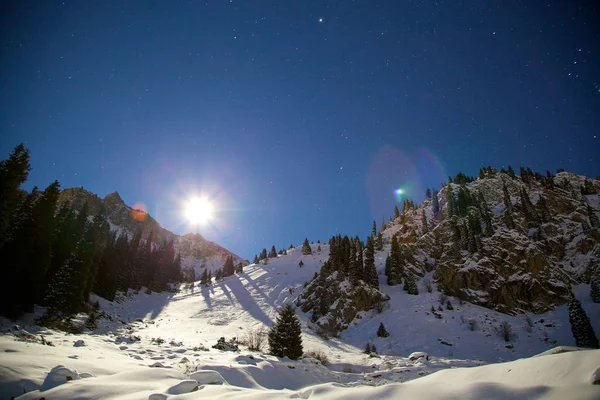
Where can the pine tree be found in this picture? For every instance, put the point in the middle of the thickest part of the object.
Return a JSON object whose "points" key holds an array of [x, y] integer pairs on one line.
{"points": [[204, 278], [306, 250], [255, 261], [449, 201], [395, 267], [580, 325], [228, 267], [428, 194], [595, 284], [370, 271], [379, 242], [396, 212], [13, 172], [209, 279], [511, 172], [382, 332], [301, 264], [273, 252], [410, 285], [435, 204], [285, 337], [263, 254]]}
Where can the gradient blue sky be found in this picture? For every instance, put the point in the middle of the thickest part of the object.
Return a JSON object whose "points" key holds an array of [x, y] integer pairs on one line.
{"points": [[299, 118]]}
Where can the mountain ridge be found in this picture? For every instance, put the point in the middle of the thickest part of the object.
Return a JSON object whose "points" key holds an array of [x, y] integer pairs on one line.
{"points": [[197, 253]]}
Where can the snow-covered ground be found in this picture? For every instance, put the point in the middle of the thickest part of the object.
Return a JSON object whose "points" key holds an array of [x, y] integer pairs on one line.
{"points": [[158, 346]]}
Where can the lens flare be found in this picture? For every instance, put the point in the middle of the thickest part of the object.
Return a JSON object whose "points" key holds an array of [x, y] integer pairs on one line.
{"points": [[399, 193], [139, 212]]}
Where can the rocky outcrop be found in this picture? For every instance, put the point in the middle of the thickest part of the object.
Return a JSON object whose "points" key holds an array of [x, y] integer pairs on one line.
{"points": [[336, 302], [543, 236]]}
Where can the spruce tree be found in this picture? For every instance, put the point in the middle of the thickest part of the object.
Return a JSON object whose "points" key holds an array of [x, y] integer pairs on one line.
{"points": [[273, 252], [204, 277], [396, 212], [595, 284], [13, 172], [306, 250], [410, 285], [228, 267], [424, 222], [580, 325], [382, 332], [435, 204], [428, 194], [394, 266], [370, 271], [285, 337], [379, 242]]}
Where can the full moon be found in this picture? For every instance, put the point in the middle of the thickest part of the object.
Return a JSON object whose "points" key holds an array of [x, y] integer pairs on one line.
{"points": [[199, 210]]}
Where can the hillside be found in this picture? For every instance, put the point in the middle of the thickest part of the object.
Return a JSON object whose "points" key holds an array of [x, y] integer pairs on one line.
{"points": [[124, 358], [196, 252]]}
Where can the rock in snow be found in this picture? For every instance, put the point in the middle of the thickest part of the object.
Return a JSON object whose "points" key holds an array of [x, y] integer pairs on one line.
{"points": [[182, 387], [418, 354], [208, 378]]}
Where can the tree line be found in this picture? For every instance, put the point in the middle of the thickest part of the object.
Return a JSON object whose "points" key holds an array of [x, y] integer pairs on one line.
{"points": [[55, 256]]}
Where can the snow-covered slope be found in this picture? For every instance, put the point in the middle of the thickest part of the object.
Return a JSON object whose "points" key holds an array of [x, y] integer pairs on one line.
{"points": [[155, 346]]}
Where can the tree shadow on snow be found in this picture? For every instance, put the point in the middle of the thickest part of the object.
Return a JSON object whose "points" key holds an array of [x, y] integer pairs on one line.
{"points": [[244, 297]]}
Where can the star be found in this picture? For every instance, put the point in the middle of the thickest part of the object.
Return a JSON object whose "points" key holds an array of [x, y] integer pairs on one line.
{"points": [[320, 19]]}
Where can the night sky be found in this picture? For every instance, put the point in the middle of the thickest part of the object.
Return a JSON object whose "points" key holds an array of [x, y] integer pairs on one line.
{"points": [[297, 118]]}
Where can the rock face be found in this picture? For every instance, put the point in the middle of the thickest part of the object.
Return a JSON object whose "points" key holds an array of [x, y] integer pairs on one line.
{"points": [[335, 304], [508, 243], [196, 252]]}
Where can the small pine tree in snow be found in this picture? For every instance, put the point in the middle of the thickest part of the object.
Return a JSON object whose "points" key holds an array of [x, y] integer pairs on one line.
{"points": [[410, 285], [319, 249], [204, 278], [301, 264], [368, 348], [580, 325], [433, 309], [285, 337], [382, 332], [595, 284], [273, 252], [449, 306], [306, 250]]}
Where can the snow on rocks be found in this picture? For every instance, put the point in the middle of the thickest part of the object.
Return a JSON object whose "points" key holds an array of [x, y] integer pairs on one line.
{"points": [[59, 375], [208, 377], [187, 386], [79, 343], [158, 364], [418, 354]]}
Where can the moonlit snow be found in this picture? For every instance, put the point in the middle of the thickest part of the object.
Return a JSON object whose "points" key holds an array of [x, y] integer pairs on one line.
{"points": [[158, 346]]}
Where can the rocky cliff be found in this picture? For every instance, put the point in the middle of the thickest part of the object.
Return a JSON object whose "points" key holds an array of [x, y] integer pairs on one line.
{"points": [[507, 242]]}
